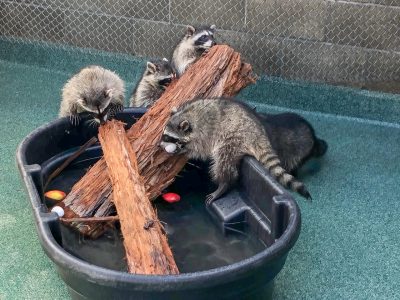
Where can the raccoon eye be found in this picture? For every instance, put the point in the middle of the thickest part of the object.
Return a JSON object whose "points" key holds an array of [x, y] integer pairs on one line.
{"points": [[184, 126]]}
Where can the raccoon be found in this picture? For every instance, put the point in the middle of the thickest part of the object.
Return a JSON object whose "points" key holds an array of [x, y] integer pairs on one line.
{"points": [[94, 90], [195, 42], [293, 139], [232, 130], [157, 76]]}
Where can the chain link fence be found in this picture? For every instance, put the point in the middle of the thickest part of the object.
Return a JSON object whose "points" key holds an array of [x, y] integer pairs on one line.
{"points": [[343, 42]]}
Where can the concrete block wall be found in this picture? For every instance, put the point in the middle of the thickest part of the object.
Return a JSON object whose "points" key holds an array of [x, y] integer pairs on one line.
{"points": [[346, 42]]}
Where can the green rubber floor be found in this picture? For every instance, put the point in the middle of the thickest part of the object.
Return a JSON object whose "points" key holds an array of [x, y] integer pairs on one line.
{"points": [[349, 246]]}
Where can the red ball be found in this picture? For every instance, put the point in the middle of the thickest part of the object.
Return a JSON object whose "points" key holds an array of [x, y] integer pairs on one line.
{"points": [[171, 197]]}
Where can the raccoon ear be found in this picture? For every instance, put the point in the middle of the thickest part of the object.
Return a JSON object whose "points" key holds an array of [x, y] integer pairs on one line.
{"points": [[184, 125], [190, 30], [213, 27], [151, 68]]}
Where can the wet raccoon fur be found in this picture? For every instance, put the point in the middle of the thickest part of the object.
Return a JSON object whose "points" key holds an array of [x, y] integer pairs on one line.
{"points": [[95, 90], [195, 42], [293, 139], [157, 76], [224, 130]]}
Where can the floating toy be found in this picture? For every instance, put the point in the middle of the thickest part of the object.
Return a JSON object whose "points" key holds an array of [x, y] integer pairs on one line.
{"points": [[55, 195], [170, 148], [58, 210], [171, 197]]}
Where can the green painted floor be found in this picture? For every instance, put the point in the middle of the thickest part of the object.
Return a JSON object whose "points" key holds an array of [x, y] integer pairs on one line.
{"points": [[349, 247]]}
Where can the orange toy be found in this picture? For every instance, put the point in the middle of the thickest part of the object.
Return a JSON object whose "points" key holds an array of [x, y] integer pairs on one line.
{"points": [[55, 195]]}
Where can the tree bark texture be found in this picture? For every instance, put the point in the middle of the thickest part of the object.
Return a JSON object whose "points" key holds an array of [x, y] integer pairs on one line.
{"points": [[146, 246]]}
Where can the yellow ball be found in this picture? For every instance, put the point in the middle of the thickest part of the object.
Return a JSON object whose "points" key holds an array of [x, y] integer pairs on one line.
{"points": [[55, 195]]}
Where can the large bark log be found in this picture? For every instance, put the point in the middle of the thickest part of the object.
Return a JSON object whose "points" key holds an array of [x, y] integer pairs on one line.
{"points": [[146, 246], [218, 73]]}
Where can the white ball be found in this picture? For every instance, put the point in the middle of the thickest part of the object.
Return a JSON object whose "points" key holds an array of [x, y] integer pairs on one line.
{"points": [[170, 148], [58, 210]]}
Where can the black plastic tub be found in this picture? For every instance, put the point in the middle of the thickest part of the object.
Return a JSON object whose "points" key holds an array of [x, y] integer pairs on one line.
{"points": [[257, 205]]}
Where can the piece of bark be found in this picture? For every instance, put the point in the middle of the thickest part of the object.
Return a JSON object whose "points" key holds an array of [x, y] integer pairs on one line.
{"points": [[65, 164], [91, 219], [218, 73], [146, 246]]}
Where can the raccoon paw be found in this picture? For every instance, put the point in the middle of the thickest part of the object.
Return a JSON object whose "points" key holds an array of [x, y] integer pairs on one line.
{"points": [[206, 51], [222, 188], [119, 108], [74, 119], [116, 108], [210, 199]]}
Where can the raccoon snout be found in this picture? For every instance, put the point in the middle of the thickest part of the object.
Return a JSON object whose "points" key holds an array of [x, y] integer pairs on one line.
{"points": [[168, 139], [208, 44], [101, 119], [165, 81]]}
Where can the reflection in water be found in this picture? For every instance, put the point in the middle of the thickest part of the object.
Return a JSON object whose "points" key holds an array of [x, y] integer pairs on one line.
{"points": [[196, 242]]}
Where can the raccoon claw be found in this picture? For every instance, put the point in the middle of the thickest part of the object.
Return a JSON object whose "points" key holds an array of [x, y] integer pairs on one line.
{"points": [[215, 195], [210, 199], [116, 109], [206, 51], [119, 107], [74, 119]]}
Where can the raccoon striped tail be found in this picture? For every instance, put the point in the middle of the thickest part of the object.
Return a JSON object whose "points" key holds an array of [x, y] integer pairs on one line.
{"points": [[272, 163]]}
